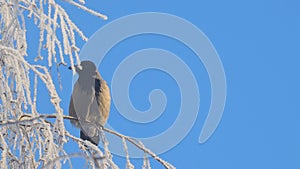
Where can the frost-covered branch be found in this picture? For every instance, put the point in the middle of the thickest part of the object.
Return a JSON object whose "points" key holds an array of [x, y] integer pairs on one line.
{"points": [[38, 143], [27, 138], [123, 137]]}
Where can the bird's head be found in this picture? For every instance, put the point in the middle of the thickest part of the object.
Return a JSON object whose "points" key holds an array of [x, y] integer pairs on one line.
{"points": [[86, 68]]}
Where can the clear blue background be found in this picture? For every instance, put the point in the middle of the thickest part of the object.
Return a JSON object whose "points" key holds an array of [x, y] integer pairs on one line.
{"points": [[258, 42]]}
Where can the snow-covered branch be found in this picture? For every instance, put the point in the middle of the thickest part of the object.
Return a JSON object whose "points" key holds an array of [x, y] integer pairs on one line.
{"points": [[27, 139], [124, 138], [37, 144]]}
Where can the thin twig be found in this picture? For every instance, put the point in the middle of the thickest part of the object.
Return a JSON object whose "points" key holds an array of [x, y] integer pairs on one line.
{"points": [[87, 9]]}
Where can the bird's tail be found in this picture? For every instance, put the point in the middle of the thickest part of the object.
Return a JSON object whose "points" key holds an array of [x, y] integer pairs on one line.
{"points": [[95, 140]]}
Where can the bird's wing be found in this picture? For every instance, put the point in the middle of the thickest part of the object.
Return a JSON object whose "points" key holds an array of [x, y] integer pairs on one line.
{"points": [[82, 98], [98, 87]]}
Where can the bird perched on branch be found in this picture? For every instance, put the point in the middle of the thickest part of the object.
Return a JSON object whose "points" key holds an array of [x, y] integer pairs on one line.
{"points": [[90, 101]]}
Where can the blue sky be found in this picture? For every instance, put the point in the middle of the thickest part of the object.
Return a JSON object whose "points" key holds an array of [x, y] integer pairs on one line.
{"points": [[258, 44]]}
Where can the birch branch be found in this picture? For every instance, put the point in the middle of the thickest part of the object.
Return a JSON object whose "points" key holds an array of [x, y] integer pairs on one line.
{"points": [[131, 140]]}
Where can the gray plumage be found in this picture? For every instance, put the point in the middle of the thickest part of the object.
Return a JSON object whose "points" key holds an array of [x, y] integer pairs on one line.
{"points": [[90, 101]]}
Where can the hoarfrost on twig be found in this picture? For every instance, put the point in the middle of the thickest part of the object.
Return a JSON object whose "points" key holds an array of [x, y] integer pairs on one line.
{"points": [[34, 142], [27, 139]]}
